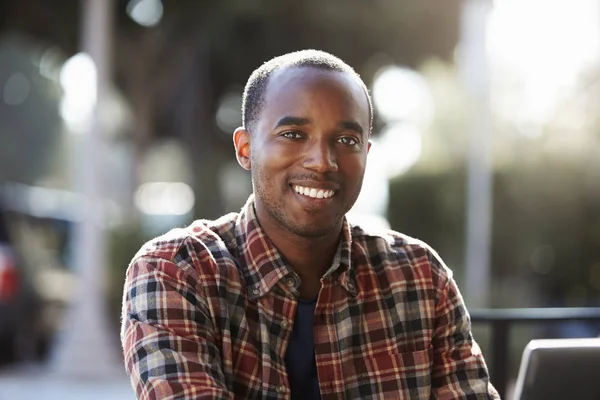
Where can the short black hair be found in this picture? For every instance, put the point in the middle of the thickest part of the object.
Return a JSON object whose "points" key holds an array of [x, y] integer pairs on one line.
{"points": [[254, 91]]}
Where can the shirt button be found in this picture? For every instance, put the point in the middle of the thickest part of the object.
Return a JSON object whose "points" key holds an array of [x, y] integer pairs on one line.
{"points": [[284, 324], [255, 291], [350, 286], [281, 389], [290, 282]]}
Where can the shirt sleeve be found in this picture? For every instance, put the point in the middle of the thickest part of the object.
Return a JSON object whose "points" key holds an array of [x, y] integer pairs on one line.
{"points": [[168, 337], [459, 369]]}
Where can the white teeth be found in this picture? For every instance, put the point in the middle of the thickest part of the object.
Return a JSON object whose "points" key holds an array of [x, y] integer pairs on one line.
{"points": [[314, 193]]}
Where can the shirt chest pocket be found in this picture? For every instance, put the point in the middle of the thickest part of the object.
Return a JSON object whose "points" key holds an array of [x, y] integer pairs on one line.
{"points": [[395, 375]]}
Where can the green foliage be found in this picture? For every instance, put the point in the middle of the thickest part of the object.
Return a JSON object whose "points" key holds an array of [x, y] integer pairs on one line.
{"points": [[545, 227], [430, 207]]}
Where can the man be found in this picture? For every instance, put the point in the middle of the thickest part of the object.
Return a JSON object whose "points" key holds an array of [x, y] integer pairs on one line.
{"points": [[286, 299]]}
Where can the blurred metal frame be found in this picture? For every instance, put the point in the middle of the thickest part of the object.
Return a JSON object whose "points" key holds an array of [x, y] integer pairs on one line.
{"points": [[501, 320]]}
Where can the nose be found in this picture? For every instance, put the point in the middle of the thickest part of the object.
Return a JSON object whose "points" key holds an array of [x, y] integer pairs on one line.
{"points": [[321, 157]]}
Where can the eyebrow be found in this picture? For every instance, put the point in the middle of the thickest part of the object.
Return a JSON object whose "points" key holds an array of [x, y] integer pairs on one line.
{"points": [[288, 120], [299, 121], [352, 126]]}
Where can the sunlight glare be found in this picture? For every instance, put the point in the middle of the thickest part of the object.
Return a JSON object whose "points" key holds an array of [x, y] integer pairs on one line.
{"points": [[78, 79], [401, 147], [537, 50], [401, 94], [164, 198]]}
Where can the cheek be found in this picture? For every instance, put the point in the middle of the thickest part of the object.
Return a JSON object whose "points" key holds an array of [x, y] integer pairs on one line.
{"points": [[274, 159], [354, 168], [268, 172]]}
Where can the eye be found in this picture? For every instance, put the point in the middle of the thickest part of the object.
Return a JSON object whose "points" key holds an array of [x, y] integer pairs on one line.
{"points": [[348, 141], [291, 135]]}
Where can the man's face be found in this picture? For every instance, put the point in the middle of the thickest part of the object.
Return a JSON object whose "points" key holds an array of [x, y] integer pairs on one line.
{"points": [[309, 150]]}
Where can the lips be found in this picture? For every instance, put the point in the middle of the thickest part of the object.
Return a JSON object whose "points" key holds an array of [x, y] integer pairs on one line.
{"points": [[315, 193]]}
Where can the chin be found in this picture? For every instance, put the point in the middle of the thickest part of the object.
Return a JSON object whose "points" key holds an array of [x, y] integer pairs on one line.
{"points": [[311, 230]]}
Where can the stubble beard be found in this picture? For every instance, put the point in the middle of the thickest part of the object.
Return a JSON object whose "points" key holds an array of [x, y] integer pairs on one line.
{"points": [[275, 206]]}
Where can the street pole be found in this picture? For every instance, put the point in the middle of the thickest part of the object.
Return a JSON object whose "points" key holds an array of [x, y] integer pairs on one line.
{"points": [[475, 72], [84, 347]]}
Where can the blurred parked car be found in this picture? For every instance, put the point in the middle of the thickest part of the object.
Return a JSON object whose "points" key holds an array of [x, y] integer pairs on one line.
{"points": [[20, 305]]}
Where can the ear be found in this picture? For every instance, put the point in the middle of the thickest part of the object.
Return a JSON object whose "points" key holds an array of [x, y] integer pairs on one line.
{"points": [[241, 141]]}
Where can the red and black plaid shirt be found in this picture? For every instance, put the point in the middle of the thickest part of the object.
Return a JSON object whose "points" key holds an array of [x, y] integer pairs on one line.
{"points": [[209, 310]]}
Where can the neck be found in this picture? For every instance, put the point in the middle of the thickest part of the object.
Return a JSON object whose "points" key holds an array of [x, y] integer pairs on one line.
{"points": [[310, 257]]}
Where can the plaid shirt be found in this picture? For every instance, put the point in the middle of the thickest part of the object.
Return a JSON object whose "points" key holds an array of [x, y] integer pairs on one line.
{"points": [[208, 312]]}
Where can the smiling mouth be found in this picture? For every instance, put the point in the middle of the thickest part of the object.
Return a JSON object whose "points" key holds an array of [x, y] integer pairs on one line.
{"points": [[313, 192]]}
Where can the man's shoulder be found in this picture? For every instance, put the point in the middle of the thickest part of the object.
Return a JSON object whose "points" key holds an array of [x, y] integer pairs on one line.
{"points": [[391, 239], [203, 235], [379, 241]]}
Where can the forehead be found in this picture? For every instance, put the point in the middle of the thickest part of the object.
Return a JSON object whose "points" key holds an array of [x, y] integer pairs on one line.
{"points": [[308, 91]]}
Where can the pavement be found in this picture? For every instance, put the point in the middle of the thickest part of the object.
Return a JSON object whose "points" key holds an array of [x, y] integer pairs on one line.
{"points": [[33, 382]]}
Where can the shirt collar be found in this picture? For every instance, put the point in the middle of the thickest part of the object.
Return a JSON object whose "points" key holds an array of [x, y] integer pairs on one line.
{"points": [[263, 265]]}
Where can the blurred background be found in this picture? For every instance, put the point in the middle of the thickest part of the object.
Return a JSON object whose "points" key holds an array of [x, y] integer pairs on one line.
{"points": [[116, 119]]}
